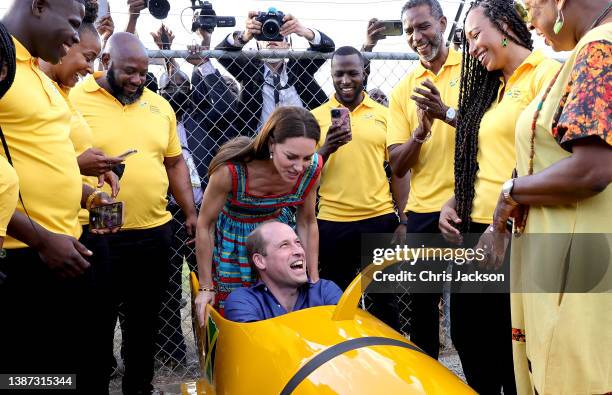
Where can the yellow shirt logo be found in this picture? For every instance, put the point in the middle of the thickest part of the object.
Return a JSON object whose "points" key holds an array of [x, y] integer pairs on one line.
{"points": [[514, 93]]}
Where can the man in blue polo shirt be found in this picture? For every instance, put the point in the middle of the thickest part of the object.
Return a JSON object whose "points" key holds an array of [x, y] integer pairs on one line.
{"points": [[276, 251]]}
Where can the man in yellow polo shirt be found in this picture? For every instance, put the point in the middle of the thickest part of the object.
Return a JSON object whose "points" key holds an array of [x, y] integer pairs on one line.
{"points": [[46, 289], [421, 140], [124, 115], [355, 195]]}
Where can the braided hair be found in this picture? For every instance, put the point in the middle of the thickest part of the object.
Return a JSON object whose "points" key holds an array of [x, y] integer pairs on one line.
{"points": [[478, 89], [7, 57]]}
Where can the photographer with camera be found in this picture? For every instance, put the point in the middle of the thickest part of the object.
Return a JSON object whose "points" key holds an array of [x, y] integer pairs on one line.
{"points": [[273, 83], [203, 110]]}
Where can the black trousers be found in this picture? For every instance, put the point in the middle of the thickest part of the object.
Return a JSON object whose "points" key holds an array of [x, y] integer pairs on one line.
{"points": [[105, 312], [481, 330], [139, 263], [340, 259], [53, 325], [424, 310], [170, 342]]}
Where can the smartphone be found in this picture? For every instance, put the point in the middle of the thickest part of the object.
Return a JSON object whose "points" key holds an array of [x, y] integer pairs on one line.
{"points": [[103, 9], [341, 117], [392, 28], [128, 153], [106, 217]]}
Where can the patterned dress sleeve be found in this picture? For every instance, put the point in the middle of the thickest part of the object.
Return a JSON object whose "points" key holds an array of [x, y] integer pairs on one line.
{"points": [[585, 108]]}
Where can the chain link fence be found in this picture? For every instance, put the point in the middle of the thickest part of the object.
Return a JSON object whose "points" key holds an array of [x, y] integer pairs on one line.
{"points": [[214, 108]]}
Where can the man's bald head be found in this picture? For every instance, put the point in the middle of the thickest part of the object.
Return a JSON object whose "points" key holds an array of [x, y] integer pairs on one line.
{"points": [[127, 62], [123, 45]]}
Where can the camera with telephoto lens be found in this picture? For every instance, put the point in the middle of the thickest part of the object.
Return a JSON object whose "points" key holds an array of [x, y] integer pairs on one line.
{"points": [[158, 8], [271, 22], [207, 18]]}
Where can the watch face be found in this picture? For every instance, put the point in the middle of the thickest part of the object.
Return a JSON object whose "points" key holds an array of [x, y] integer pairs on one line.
{"points": [[450, 113]]}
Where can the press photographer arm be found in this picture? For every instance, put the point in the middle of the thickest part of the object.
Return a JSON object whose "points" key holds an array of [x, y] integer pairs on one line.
{"points": [[163, 38], [214, 99], [374, 33], [134, 8]]}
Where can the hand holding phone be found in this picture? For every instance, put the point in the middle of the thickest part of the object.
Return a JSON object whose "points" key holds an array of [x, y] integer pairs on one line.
{"points": [[103, 9], [341, 117], [339, 132]]}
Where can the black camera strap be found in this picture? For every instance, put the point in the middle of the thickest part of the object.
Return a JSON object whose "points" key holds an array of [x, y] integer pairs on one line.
{"points": [[5, 146]]}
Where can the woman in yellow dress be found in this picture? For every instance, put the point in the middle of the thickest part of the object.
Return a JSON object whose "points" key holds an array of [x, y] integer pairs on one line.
{"points": [[562, 335], [500, 76]]}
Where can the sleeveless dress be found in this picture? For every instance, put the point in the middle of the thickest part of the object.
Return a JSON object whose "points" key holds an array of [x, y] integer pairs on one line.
{"points": [[242, 213]]}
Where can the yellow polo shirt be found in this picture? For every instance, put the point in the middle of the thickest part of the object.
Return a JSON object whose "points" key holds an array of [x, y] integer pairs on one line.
{"points": [[432, 178], [36, 122], [149, 126], [9, 191], [496, 152], [81, 137], [353, 184], [80, 132]]}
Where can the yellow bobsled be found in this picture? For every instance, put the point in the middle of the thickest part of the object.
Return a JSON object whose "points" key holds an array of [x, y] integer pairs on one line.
{"points": [[320, 350]]}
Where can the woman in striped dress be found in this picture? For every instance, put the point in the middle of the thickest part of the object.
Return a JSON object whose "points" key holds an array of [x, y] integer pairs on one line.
{"points": [[253, 181]]}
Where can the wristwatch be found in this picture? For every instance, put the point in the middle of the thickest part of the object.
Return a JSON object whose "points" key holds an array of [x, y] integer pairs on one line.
{"points": [[450, 114], [507, 192]]}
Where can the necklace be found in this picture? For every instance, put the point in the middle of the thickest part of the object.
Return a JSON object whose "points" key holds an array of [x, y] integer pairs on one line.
{"points": [[536, 115]]}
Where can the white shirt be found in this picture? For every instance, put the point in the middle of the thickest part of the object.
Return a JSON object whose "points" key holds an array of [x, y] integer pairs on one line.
{"points": [[288, 96]]}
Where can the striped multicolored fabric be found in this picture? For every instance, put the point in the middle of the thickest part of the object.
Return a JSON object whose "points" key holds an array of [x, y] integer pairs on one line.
{"points": [[242, 213]]}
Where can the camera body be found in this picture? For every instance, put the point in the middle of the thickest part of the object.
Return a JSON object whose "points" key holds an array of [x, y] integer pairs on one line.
{"points": [[271, 22], [207, 18], [158, 8]]}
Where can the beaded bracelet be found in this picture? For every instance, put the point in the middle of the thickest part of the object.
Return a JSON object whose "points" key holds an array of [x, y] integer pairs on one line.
{"points": [[207, 289]]}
